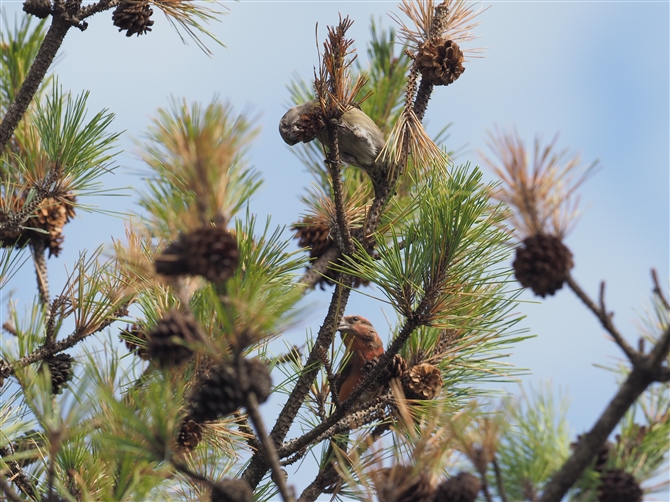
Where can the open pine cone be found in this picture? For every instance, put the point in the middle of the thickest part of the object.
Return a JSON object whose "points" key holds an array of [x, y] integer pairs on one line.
{"points": [[423, 381], [440, 61], [190, 434], [134, 17], [50, 217]]}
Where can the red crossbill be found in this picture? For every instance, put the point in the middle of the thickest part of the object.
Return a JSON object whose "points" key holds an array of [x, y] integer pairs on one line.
{"points": [[363, 345], [360, 140]]}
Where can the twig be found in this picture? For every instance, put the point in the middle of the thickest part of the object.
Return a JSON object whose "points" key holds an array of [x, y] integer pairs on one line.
{"points": [[269, 450], [642, 375], [191, 474], [18, 476], [499, 481], [47, 351], [331, 378], [604, 317], [37, 248], [7, 489], [294, 458], [658, 291], [318, 269]]}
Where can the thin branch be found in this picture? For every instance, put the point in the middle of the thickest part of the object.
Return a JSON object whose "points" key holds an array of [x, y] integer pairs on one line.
{"points": [[331, 378], [604, 317], [318, 269], [47, 351], [37, 247], [45, 56], [18, 476], [7, 489], [499, 481], [192, 474], [100, 6], [658, 291]]}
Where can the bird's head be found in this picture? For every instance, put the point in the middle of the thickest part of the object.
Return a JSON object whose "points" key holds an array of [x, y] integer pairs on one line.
{"points": [[301, 123], [358, 334]]}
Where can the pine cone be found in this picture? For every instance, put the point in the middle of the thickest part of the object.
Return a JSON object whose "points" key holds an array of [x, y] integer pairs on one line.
{"points": [[50, 217], [618, 486], [60, 367], [232, 490], [31, 441], [400, 484], [440, 61], [423, 381], [190, 434], [168, 342], [38, 8], [130, 336], [463, 487], [315, 234], [221, 394], [207, 251], [398, 367], [133, 16], [542, 263]]}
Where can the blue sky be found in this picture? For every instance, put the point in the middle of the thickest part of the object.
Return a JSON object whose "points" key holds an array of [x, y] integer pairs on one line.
{"points": [[594, 72]]}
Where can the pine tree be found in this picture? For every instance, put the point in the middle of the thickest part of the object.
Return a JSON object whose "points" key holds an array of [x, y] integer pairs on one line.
{"points": [[193, 297]]}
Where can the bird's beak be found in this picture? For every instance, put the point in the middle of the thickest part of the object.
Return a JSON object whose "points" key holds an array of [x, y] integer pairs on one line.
{"points": [[344, 326]]}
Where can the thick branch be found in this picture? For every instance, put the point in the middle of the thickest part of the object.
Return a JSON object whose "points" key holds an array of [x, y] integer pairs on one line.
{"points": [[605, 319], [333, 163], [45, 56], [19, 477], [639, 379], [257, 467], [7, 490]]}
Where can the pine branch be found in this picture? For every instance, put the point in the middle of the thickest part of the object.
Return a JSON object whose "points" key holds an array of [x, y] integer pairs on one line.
{"points": [[647, 370], [8, 491], [18, 476], [50, 45], [604, 317], [257, 466], [37, 248]]}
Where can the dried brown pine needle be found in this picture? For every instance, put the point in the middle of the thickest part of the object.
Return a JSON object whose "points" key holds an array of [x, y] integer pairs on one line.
{"points": [[542, 194]]}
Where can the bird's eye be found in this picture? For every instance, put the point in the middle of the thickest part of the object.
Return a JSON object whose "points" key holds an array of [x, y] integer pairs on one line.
{"points": [[355, 318]]}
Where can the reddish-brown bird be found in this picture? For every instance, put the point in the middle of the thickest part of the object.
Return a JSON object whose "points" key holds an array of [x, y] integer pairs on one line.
{"points": [[364, 345]]}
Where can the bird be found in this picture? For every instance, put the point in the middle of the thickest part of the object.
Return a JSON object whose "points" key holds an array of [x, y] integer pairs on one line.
{"points": [[362, 347], [360, 140]]}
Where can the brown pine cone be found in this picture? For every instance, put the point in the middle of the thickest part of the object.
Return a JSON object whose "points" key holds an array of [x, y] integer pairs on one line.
{"points": [[314, 233], [208, 251], [38, 8], [221, 393], [232, 490], [190, 434], [133, 334], [168, 342], [463, 487], [542, 263], [60, 367], [440, 61], [400, 484], [423, 381], [133, 16], [617, 485], [49, 218]]}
